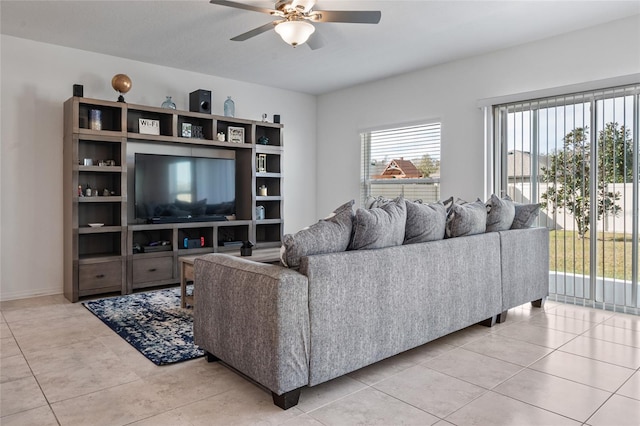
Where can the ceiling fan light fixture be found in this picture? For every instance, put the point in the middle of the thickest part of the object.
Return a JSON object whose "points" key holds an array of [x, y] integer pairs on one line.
{"points": [[295, 32]]}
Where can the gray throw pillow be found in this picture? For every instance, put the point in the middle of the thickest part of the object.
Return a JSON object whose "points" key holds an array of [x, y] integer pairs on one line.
{"points": [[448, 203], [501, 212], [525, 214], [425, 222], [329, 235], [379, 227], [375, 202], [466, 219]]}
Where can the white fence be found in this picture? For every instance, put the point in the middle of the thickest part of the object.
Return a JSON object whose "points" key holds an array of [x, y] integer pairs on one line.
{"points": [[409, 188], [562, 219]]}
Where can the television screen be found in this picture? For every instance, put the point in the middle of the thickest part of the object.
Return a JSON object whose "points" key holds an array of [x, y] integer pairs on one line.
{"points": [[179, 188]]}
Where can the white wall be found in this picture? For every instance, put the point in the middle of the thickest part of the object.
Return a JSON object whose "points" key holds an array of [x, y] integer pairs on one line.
{"points": [[36, 79], [449, 92]]}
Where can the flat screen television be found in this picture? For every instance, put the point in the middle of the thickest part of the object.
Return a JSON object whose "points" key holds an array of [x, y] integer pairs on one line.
{"points": [[176, 188]]}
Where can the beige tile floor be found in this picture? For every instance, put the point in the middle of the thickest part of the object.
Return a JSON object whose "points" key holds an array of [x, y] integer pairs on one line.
{"points": [[559, 365]]}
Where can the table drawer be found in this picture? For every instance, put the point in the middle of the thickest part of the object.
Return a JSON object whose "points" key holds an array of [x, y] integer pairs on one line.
{"points": [[94, 276], [152, 269]]}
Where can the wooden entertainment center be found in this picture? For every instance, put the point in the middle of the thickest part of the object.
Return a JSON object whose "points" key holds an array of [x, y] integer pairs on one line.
{"points": [[109, 255]]}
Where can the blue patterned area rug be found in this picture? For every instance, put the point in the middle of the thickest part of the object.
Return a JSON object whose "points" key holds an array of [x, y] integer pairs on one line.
{"points": [[152, 322]]}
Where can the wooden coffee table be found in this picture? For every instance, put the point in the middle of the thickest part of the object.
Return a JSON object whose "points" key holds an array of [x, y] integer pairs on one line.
{"points": [[266, 255]]}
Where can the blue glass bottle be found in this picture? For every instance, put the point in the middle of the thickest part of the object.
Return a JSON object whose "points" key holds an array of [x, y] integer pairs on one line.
{"points": [[229, 107]]}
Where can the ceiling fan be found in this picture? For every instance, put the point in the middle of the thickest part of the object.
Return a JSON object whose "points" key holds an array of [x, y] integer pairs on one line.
{"points": [[295, 18]]}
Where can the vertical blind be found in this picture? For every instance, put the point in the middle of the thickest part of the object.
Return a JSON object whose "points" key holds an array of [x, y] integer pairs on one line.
{"points": [[577, 155], [417, 144]]}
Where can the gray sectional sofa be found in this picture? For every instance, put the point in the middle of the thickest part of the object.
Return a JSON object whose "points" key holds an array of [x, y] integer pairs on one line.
{"points": [[286, 329]]}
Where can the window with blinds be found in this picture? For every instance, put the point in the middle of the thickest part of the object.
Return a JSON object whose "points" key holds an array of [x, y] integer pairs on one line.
{"points": [[401, 161]]}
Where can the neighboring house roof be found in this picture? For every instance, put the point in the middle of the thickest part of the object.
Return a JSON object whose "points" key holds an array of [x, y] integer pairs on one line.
{"points": [[399, 169]]}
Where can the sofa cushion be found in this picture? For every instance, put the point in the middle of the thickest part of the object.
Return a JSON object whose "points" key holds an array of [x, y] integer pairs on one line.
{"points": [[466, 219], [328, 235], [525, 214], [501, 212], [379, 227], [425, 222], [374, 202]]}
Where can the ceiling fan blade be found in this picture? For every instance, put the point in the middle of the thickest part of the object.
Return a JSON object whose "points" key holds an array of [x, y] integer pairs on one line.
{"points": [[243, 6], [256, 31], [350, 16]]}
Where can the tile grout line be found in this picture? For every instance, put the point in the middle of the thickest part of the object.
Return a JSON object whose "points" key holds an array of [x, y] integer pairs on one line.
{"points": [[48, 403]]}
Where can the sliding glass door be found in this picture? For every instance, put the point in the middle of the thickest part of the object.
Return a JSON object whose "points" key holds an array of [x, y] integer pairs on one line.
{"points": [[577, 155]]}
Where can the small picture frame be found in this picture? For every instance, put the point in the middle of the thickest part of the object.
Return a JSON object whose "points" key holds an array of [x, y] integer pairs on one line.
{"points": [[186, 130], [261, 163], [235, 134], [196, 132]]}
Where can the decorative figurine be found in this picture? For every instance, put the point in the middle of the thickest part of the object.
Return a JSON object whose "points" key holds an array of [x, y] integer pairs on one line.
{"points": [[246, 250], [121, 83]]}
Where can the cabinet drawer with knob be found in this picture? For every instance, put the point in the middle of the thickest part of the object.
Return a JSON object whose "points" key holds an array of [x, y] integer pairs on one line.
{"points": [[102, 277], [152, 269]]}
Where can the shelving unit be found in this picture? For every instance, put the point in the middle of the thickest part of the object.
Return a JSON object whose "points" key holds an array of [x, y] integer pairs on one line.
{"points": [[269, 230], [119, 256]]}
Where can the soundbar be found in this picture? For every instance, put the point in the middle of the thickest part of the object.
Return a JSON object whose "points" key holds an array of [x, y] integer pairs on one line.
{"points": [[185, 219]]}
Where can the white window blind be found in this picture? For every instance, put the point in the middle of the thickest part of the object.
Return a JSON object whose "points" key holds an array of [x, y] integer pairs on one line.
{"points": [[401, 161]]}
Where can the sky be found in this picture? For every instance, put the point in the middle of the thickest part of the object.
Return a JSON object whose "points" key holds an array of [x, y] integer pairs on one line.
{"points": [[554, 122]]}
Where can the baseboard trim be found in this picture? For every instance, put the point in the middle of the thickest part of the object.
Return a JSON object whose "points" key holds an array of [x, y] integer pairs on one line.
{"points": [[9, 296]]}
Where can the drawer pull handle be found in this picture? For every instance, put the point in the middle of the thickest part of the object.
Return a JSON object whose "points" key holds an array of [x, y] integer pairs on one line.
{"points": [[100, 276], [152, 270]]}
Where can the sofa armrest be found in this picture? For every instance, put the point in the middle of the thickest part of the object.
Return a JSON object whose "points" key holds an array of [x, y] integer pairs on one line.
{"points": [[255, 318], [525, 266]]}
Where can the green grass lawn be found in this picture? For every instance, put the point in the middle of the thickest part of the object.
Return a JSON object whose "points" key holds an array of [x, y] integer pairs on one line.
{"points": [[570, 254]]}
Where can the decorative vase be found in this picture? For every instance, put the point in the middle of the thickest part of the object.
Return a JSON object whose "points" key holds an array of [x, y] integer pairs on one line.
{"points": [[229, 107], [168, 103]]}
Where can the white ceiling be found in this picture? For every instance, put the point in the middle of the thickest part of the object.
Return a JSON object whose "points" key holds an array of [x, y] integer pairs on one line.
{"points": [[194, 35]]}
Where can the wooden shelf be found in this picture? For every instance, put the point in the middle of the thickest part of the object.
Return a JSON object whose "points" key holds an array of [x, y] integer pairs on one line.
{"points": [[268, 175], [100, 199], [100, 169], [155, 138], [100, 133], [98, 258], [99, 229], [268, 149], [268, 221]]}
